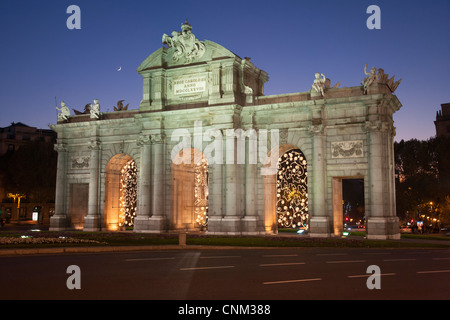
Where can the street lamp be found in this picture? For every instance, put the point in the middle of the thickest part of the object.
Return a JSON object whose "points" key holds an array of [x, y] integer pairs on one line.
{"points": [[18, 196]]}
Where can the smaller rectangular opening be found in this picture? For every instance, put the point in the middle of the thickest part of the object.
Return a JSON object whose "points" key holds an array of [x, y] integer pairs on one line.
{"points": [[348, 205]]}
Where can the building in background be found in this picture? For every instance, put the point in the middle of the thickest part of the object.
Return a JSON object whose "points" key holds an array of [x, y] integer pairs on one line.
{"points": [[15, 205], [442, 122]]}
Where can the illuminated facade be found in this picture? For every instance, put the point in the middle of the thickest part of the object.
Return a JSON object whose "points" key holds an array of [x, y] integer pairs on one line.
{"points": [[213, 153]]}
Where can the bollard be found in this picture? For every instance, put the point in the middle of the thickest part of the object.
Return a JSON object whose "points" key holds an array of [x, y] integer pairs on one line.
{"points": [[182, 238]]}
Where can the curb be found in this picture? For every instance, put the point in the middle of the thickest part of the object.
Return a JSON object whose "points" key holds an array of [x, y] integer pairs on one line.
{"points": [[62, 250]]}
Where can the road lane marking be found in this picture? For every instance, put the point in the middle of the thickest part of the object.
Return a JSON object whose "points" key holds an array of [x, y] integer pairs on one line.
{"points": [[346, 261], [377, 253], [368, 275], [280, 264], [206, 268], [331, 254], [391, 260], [292, 281], [280, 255], [433, 271], [219, 257], [149, 259]]}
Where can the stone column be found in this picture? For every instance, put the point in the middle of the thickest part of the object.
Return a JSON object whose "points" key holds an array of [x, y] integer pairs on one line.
{"points": [[146, 96], [158, 95], [227, 83], [319, 221], [233, 183], [215, 184], [158, 218], [92, 220], [145, 184], [215, 85], [60, 221], [251, 222], [381, 221]]}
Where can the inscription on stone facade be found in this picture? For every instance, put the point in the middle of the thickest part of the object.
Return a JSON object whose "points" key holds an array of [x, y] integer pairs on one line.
{"points": [[189, 85], [347, 149]]}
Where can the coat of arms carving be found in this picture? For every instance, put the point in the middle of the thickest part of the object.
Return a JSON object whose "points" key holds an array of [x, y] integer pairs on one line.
{"points": [[185, 44]]}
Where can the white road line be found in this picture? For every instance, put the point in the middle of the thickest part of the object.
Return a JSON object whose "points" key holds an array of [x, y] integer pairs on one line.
{"points": [[149, 259], [374, 253], [368, 275], [280, 255], [346, 261], [206, 268], [219, 257], [399, 260], [292, 281], [433, 271], [280, 264]]}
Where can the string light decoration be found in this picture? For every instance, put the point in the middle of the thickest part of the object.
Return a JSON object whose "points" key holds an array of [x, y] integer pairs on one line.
{"points": [[292, 196], [201, 193], [128, 194]]}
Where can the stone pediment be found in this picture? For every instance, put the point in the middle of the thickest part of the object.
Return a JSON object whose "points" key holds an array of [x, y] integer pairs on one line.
{"points": [[189, 71], [164, 57]]}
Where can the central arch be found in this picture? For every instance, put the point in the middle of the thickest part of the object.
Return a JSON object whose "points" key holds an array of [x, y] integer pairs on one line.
{"points": [[189, 191]]}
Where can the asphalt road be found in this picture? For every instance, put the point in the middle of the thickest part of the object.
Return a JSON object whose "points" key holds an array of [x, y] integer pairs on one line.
{"points": [[241, 274]]}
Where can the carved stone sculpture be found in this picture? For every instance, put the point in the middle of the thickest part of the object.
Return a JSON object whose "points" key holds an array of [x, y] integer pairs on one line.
{"points": [[372, 78], [185, 44], [95, 110], [120, 106], [380, 77], [319, 83], [384, 79], [87, 110], [64, 112]]}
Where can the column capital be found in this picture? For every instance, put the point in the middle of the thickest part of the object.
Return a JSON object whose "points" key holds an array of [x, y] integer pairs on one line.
{"points": [[94, 144], [143, 140], [157, 138], [315, 129], [380, 126], [60, 147]]}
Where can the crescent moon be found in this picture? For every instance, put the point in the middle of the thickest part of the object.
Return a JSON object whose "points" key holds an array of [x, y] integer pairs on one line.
{"points": [[120, 68]]}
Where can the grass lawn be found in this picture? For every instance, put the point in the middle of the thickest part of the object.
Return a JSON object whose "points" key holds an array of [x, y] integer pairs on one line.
{"points": [[34, 239]]}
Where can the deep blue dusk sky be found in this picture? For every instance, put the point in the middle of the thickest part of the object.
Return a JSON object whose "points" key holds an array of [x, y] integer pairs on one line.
{"points": [[291, 40]]}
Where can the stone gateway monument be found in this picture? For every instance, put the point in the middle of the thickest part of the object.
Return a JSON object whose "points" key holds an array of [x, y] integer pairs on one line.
{"points": [[207, 151]]}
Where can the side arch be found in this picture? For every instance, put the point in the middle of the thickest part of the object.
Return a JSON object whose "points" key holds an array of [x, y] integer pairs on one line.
{"points": [[113, 173], [271, 219]]}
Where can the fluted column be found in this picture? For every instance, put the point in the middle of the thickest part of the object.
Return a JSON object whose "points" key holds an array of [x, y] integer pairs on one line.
{"points": [[216, 184], [92, 220], [381, 220], [233, 184], [158, 217], [319, 220], [145, 184], [251, 222], [59, 221]]}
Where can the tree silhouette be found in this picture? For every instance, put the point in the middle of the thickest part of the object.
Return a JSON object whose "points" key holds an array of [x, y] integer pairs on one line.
{"points": [[31, 170]]}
